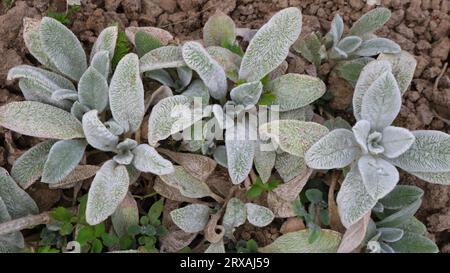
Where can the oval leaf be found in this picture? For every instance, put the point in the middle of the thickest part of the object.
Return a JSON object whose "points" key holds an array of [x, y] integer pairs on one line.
{"points": [[382, 102], [40, 120], [352, 199], [336, 150], [106, 41], [368, 75], [62, 159], [376, 46], [63, 48], [396, 141], [97, 135], [162, 57], [191, 218], [297, 242], [29, 166], [219, 30], [371, 21], [235, 215], [259, 216], [108, 189], [171, 115], [378, 175], [93, 90], [188, 185], [293, 91], [240, 152], [126, 94], [429, 153], [403, 67], [270, 45], [17, 201], [207, 68], [247, 93], [293, 136], [147, 159]]}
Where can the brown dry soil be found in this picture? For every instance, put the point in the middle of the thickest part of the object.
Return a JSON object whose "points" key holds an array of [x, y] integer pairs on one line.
{"points": [[421, 27]]}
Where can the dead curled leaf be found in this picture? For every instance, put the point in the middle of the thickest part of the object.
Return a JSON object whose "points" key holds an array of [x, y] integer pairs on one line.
{"points": [[212, 227], [219, 181], [197, 165], [81, 172], [170, 192], [176, 240], [280, 199], [335, 221], [354, 235], [292, 224]]}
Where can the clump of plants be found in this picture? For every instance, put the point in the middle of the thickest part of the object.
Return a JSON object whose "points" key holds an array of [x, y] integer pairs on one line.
{"points": [[226, 137]]}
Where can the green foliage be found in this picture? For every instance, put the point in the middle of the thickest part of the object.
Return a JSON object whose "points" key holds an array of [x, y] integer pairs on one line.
{"points": [[146, 42], [259, 187], [64, 17], [8, 3], [122, 49], [145, 235], [316, 213], [249, 246], [233, 47]]}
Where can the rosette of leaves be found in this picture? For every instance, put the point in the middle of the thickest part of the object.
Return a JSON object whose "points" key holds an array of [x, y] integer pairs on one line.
{"points": [[54, 106], [14, 203], [356, 47], [229, 77], [373, 149], [395, 229], [126, 100]]}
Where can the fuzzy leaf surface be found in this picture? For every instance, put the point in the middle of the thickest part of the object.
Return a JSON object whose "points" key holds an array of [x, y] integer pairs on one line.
{"points": [[270, 45], [40, 120], [63, 48], [29, 166], [126, 93], [97, 135], [294, 136], [62, 159], [259, 216], [293, 91], [147, 159], [371, 21], [191, 218], [297, 242], [16, 200], [108, 189], [212, 74], [429, 153]]}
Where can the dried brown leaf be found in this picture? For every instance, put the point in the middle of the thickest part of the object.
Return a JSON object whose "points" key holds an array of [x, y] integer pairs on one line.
{"points": [[292, 224], [354, 235], [197, 165], [80, 173], [176, 240], [170, 192], [280, 199]]}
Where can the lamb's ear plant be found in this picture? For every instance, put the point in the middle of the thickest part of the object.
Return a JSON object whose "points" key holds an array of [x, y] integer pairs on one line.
{"points": [[14, 203], [374, 148], [353, 50], [395, 229], [54, 106], [227, 79]]}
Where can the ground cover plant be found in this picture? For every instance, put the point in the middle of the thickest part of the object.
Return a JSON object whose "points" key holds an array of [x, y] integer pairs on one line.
{"points": [[200, 139]]}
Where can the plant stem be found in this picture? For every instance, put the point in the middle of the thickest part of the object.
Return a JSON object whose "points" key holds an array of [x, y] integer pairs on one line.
{"points": [[27, 222]]}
